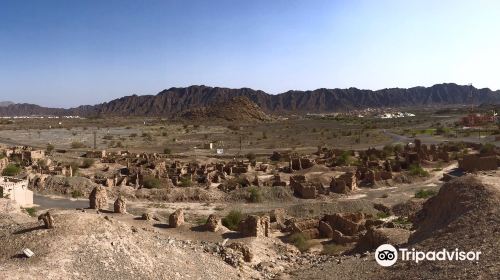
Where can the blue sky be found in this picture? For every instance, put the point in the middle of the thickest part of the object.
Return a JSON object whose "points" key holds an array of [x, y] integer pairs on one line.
{"points": [[68, 53]]}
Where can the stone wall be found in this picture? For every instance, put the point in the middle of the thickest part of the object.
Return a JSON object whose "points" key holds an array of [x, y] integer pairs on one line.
{"points": [[471, 163]]}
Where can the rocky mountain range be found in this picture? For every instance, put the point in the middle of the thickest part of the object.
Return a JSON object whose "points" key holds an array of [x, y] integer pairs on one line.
{"points": [[174, 101]]}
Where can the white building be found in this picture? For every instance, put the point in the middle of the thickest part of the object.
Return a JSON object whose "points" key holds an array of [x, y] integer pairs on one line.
{"points": [[16, 190]]}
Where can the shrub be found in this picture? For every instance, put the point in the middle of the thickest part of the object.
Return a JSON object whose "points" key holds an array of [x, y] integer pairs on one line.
{"points": [[76, 194], [86, 163], [201, 220], [11, 170], [75, 166], [233, 127], [382, 215], [147, 137], [487, 148], [398, 148], [424, 193], [167, 151], [49, 148], [401, 221], [255, 195], [236, 182], [185, 182], [77, 145], [31, 211], [334, 249], [388, 149], [300, 241], [151, 182], [232, 219], [344, 159], [42, 163], [417, 170], [251, 156]]}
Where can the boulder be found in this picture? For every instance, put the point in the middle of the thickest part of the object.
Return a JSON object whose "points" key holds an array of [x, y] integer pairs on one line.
{"points": [[213, 223], [278, 216], [382, 208], [47, 219], [98, 198], [176, 219], [339, 238], [325, 230], [243, 249], [120, 205], [146, 216]]}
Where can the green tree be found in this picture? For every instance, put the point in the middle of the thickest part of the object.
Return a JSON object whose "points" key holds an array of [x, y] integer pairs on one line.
{"points": [[11, 170]]}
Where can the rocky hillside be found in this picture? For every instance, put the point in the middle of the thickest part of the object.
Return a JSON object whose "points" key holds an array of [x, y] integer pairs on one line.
{"points": [[173, 101], [465, 214], [239, 109], [92, 246]]}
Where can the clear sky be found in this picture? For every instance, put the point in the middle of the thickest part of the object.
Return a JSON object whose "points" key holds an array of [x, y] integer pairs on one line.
{"points": [[67, 53]]}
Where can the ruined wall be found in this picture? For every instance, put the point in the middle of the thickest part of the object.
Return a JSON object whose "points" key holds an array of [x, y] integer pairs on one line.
{"points": [[472, 163], [16, 190]]}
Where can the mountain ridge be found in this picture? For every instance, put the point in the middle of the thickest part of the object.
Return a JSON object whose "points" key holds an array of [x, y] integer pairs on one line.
{"points": [[173, 101]]}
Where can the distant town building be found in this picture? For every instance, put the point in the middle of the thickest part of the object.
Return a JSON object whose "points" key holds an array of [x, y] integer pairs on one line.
{"points": [[16, 190], [208, 146], [478, 119]]}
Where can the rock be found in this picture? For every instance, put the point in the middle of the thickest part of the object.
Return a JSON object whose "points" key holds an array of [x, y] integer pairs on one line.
{"points": [[146, 216], [340, 238], [382, 208], [47, 219], [325, 230], [213, 223], [375, 237], [98, 198], [373, 223], [409, 208], [243, 249], [176, 219], [307, 227], [278, 216], [120, 205]]}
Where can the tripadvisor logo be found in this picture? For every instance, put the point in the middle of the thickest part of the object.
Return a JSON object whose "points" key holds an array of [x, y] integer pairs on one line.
{"points": [[387, 255]]}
